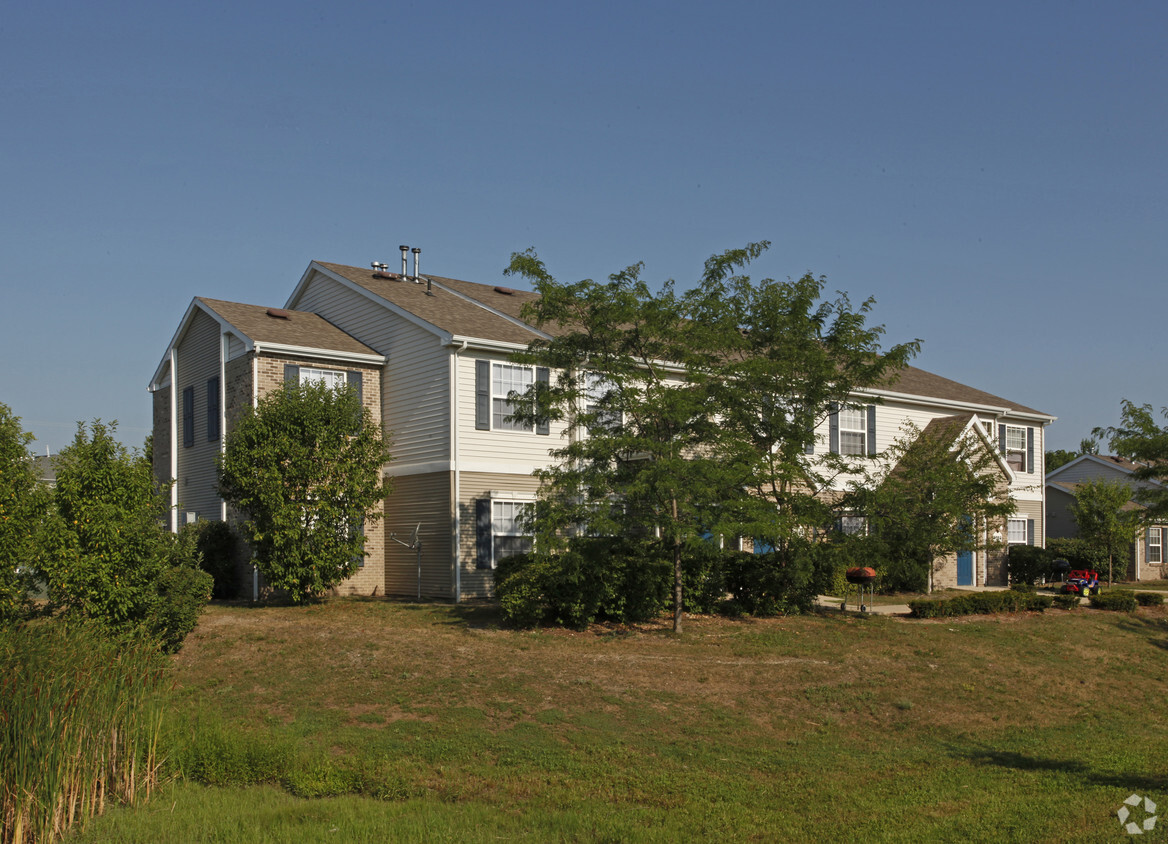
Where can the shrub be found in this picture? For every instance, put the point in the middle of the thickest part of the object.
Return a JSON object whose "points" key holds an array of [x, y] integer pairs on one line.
{"points": [[183, 591], [1118, 600], [219, 544], [1066, 602], [980, 603], [595, 579], [1149, 599], [1029, 563], [778, 582], [1078, 552]]}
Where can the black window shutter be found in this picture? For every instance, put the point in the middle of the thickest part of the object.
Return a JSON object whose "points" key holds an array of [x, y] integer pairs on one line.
{"points": [[1030, 531], [1030, 450], [188, 420], [833, 430], [213, 409], [541, 383], [482, 395], [483, 532], [810, 447], [291, 373], [871, 430], [1002, 438]]}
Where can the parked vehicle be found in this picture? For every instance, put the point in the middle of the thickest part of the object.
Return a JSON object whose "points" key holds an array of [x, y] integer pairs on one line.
{"points": [[1082, 582]]}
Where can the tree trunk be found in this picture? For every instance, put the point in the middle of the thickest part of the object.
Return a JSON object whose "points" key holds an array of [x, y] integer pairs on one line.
{"points": [[678, 602]]}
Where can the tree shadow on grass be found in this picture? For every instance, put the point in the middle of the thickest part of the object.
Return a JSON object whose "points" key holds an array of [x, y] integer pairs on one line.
{"points": [[1152, 627], [987, 756]]}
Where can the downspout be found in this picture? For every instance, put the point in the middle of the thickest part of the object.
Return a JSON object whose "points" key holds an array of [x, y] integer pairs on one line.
{"points": [[223, 347], [173, 441], [255, 400], [456, 472]]}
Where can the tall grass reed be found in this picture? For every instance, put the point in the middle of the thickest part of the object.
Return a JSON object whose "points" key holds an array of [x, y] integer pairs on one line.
{"points": [[80, 716]]}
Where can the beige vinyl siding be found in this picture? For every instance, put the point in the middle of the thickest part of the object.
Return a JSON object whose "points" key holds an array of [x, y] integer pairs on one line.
{"points": [[1032, 510], [1089, 470], [198, 361], [235, 347], [415, 381], [476, 582], [509, 452], [419, 499]]}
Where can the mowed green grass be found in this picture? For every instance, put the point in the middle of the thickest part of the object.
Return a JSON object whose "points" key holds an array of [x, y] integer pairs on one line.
{"points": [[430, 723]]}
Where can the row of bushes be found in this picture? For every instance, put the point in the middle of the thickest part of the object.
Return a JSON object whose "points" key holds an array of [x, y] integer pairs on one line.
{"points": [[981, 603], [629, 580]]}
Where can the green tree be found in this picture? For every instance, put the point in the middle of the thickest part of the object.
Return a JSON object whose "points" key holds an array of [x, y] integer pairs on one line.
{"points": [[1139, 438], [689, 416], [941, 494], [110, 557], [781, 359], [24, 506], [1059, 457], [305, 466], [637, 461], [1108, 521]]}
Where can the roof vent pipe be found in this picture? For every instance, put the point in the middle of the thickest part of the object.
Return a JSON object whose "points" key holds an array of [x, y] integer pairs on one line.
{"points": [[417, 260], [404, 250]]}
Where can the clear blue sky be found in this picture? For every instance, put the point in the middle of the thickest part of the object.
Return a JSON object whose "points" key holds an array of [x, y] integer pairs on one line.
{"points": [[994, 174]]}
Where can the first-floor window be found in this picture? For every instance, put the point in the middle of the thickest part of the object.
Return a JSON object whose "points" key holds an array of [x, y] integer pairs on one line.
{"points": [[1016, 531], [1155, 545], [502, 530], [853, 525]]}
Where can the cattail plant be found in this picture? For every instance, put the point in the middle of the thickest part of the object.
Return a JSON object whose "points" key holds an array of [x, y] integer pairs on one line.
{"points": [[80, 716]]}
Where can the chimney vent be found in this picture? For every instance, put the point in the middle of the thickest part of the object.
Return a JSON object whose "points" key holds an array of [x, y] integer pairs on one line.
{"points": [[404, 250], [417, 260]]}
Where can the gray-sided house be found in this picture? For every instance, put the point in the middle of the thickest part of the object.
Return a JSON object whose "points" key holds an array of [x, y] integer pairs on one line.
{"points": [[431, 356], [1147, 561]]}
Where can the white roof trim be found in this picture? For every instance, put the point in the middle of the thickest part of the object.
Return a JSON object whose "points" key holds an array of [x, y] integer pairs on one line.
{"points": [[262, 347], [913, 398]]}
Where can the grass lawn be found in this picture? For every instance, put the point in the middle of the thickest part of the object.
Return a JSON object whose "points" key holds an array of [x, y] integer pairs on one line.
{"points": [[430, 723]]}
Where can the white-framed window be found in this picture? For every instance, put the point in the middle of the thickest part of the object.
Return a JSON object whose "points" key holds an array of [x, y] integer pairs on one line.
{"points": [[501, 529], [508, 531], [1155, 549], [1016, 448], [505, 379], [332, 378], [1016, 533], [853, 431]]}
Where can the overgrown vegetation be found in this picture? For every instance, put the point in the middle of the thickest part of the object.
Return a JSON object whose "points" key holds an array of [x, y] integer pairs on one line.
{"points": [[80, 715], [305, 466], [24, 510]]}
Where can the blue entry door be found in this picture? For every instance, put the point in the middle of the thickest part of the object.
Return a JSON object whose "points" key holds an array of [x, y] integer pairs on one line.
{"points": [[965, 568]]}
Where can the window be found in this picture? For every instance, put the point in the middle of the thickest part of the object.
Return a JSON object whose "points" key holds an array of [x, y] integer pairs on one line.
{"points": [[853, 525], [505, 379], [853, 434], [1017, 531], [1016, 448], [213, 409], [1155, 545], [329, 377], [597, 392], [501, 530], [188, 417]]}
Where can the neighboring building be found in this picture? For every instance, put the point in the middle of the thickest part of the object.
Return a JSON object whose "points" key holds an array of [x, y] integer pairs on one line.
{"points": [[1147, 561], [432, 356]]}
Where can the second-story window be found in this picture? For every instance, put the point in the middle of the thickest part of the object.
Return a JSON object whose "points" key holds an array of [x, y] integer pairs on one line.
{"points": [[1016, 448], [505, 379], [853, 424]]}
